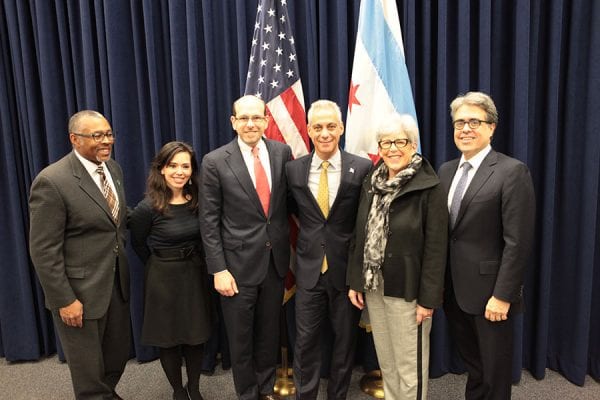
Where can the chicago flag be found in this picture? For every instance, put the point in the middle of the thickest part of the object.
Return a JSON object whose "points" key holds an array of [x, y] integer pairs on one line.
{"points": [[380, 83]]}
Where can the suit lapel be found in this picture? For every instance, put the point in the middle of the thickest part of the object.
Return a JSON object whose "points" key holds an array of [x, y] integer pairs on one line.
{"points": [[236, 163], [116, 178], [305, 170], [346, 175], [485, 170], [276, 164], [87, 184]]}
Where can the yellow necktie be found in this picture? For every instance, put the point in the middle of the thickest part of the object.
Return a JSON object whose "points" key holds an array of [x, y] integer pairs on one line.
{"points": [[323, 201]]}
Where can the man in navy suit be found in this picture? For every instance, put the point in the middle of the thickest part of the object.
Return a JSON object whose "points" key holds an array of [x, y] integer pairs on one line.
{"points": [[77, 245], [326, 187], [245, 231], [492, 208]]}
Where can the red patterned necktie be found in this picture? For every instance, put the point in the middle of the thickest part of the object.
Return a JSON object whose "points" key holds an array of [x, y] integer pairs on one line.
{"points": [[109, 195], [262, 183]]}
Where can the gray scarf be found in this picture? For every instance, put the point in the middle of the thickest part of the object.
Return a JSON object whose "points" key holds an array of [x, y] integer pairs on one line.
{"points": [[376, 231]]}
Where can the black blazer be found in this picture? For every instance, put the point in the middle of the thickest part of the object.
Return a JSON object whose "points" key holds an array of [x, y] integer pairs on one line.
{"points": [[236, 233], [74, 242], [319, 235], [415, 254], [490, 244]]}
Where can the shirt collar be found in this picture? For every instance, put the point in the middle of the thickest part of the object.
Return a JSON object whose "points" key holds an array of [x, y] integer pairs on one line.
{"points": [[88, 165], [335, 161], [245, 148], [477, 159]]}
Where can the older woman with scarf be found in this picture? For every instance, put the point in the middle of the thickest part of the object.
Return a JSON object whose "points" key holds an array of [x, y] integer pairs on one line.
{"points": [[398, 257]]}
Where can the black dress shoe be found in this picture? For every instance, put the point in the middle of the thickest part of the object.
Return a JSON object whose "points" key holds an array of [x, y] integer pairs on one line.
{"points": [[193, 396], [181, 394]]}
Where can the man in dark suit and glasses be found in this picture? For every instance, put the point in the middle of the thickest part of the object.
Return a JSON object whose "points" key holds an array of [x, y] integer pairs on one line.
{"points": [[77, 245], [326, 187], [245, 231], [492, 208]]}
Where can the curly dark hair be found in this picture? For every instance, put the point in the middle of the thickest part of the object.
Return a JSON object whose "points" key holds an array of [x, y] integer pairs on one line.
{"points": [[157, 190]]}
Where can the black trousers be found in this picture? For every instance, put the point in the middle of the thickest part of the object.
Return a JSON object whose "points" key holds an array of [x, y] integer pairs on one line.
{"points": [[320, 305], [252, 322], [97, 353], [486, 348]]}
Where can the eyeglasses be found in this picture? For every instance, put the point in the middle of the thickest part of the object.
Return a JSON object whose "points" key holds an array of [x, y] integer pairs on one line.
{"points": [[97, 136], [387, 144], [256, 119], [330, 127], [474, 123]]}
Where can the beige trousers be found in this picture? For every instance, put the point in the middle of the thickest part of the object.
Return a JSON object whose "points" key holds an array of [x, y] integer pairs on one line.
{"points": [[402, 346]]}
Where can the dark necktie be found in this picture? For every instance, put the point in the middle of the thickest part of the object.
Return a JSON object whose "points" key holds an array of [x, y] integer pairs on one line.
{"points": [[262, 183], [109, 195], [458, 193]]}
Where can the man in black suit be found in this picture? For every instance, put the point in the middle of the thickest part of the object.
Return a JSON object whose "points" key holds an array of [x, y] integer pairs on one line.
{"points": [[492, 208], [77, 245], [326, 187], [245, 231]]}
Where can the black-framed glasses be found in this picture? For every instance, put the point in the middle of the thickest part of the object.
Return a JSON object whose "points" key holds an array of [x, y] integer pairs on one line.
{"points": [[97, 136], [256, 119], [474, 123], [399, 143]]}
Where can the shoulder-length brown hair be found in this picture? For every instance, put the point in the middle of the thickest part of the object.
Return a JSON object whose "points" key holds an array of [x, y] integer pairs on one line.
{"points": [[156, 187]]}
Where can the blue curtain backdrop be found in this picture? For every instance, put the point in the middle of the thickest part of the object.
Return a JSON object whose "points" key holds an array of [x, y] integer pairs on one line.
{"points": [[164, 70]]}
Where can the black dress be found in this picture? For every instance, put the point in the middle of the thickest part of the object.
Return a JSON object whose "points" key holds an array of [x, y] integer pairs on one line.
{"points": [[176, 298]]}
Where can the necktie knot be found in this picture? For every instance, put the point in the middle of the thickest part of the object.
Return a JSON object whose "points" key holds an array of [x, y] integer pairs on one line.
{"points": [[100, 171], [255, 151], [325, 165], [466, 167]]}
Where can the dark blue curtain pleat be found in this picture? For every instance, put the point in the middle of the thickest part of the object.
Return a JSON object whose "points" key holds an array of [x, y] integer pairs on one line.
{"points": [[165, 70]]}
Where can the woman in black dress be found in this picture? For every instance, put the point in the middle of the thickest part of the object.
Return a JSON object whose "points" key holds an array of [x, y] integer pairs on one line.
{"points": [[165, 234]]}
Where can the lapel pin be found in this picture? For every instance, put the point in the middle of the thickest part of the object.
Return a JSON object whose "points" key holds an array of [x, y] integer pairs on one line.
{"points": [[351, 170]]}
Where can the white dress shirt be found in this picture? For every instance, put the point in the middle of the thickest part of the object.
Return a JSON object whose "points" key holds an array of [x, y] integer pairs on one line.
{"points": [[263, 154], [475, 162], [91, 168], [334, 174]]}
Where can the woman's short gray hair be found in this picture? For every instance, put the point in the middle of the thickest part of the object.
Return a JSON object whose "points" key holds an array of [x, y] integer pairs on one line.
{"points": [[399, 123]]}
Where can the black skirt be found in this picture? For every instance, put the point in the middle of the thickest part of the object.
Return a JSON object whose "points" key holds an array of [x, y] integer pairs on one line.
{"points": [[176, 302]]}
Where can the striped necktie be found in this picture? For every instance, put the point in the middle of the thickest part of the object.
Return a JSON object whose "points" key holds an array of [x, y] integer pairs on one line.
{"points": [[109, 195]]}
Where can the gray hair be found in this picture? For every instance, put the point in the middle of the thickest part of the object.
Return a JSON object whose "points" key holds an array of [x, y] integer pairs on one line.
{"points": [[76, 118], [324, 105], [399, 123], [477, 99]]}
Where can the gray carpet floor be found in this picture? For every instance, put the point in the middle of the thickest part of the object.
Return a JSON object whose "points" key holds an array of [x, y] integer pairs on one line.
{"points": [[49, 379]]}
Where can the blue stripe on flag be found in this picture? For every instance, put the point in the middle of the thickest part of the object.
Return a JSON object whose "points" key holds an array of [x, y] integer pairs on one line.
{"points": [[387, 56]]}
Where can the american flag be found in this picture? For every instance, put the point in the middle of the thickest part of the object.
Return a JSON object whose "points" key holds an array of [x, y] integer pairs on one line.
{"points": [[273, 76]]}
